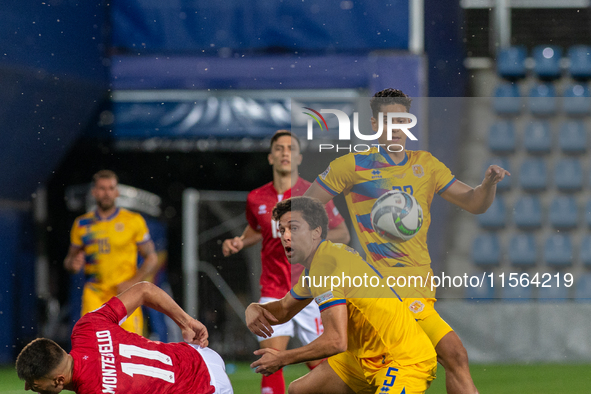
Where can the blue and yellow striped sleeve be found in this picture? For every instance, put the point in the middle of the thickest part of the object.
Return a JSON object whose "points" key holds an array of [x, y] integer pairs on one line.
{"points": [[442, 176], [76, 234], [338, 176], [329, 299]]}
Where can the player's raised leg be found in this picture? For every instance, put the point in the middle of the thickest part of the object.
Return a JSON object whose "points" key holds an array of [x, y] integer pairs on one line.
{"points": [[322, 380]]}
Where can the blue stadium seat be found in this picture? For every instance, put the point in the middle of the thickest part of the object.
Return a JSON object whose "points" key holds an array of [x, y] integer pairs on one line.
{"points": [[502, 162], [501, 137], [533, 175], [522, 250], [588, 214], [496, 215], [577, 100], [572, 137], [538, 138], [568, 175], [580, 62], [547, 61], [585, 251], [551, 292], [511, 62], [583, 288], [558, 250], [486, 250], [484, 293], [507, 100], [542, 100], [527, 213], [517, 293], [563, 213]]}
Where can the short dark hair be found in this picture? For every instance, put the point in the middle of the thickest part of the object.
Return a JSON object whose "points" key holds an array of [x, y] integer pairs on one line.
{"points": [[387, 97], [281, 133], [104, 174], [312, 211], [38, 359]]}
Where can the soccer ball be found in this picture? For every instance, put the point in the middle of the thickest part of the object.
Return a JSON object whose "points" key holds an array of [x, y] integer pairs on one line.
{"points": [[396, 216]]}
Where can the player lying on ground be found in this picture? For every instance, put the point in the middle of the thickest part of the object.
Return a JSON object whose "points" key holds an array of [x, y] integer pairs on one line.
{"points": [[107, 359], [364, 177], [276, 272], [370, 338]]}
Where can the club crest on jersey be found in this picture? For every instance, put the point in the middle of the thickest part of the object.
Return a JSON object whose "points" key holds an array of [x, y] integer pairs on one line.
{"points": [[262, 209], [325, 173], [417, 170], [119, 227], [416, 306]]}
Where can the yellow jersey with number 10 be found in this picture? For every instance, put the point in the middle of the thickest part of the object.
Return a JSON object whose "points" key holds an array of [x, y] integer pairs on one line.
{"points": [[110, 245], [364, 177]]}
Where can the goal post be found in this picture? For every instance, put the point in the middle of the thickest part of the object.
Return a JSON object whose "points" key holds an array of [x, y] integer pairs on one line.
{"points": [[195, 236]]}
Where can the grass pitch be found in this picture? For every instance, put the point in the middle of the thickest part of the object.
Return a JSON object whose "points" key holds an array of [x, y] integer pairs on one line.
{"points": [[499, 379]]}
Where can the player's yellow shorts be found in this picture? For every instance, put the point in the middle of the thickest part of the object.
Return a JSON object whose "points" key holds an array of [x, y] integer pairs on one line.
{"points": [[93, 299], [382, 375], [423, 310]]}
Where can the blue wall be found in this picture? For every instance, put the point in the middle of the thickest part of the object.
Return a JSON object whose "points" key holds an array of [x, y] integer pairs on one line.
{"points": [[53, 77], [288, 25]]}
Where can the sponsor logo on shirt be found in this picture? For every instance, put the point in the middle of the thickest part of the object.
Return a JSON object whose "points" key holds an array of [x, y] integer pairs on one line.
{"points": [[262, 209], [376, 174]]}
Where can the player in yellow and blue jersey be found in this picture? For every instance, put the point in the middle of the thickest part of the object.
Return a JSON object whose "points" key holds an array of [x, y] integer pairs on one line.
{"points": [[106, 242], [363, 177], [370, 338]]}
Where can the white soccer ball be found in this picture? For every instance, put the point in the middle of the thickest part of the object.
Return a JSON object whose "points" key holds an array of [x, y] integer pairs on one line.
{"points": [[396, 216]]}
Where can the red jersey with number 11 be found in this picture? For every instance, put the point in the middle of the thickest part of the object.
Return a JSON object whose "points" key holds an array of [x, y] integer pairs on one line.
{"points": [[277, 274], [108, 359]]}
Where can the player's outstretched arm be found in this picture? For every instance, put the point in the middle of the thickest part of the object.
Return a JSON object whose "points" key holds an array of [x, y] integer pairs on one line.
{"points": [[332, 341], [260, 317], [148, 252], [75, 259], [150, 295], [317, 191], [248, 238], [476, 200]]}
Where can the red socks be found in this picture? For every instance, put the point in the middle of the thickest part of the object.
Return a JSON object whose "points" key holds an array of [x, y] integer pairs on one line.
{"points": [[273, 384]]}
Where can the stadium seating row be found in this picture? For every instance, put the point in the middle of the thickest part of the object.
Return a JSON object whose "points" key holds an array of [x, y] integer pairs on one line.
{"points": [[543, 100], [538, 137], [580, 291], [527, 213], [511, 62], [523, 251], [533, 175]]}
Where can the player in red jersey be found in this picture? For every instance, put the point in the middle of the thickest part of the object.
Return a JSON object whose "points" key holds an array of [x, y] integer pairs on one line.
{"points": [[107, 359], [277, 274]]}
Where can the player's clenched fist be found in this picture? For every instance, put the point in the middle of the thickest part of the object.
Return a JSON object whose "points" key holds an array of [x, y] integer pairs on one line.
{"points": [[232, 245], [195, 333], [76, 262], [494, 174], [257, 320]]}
